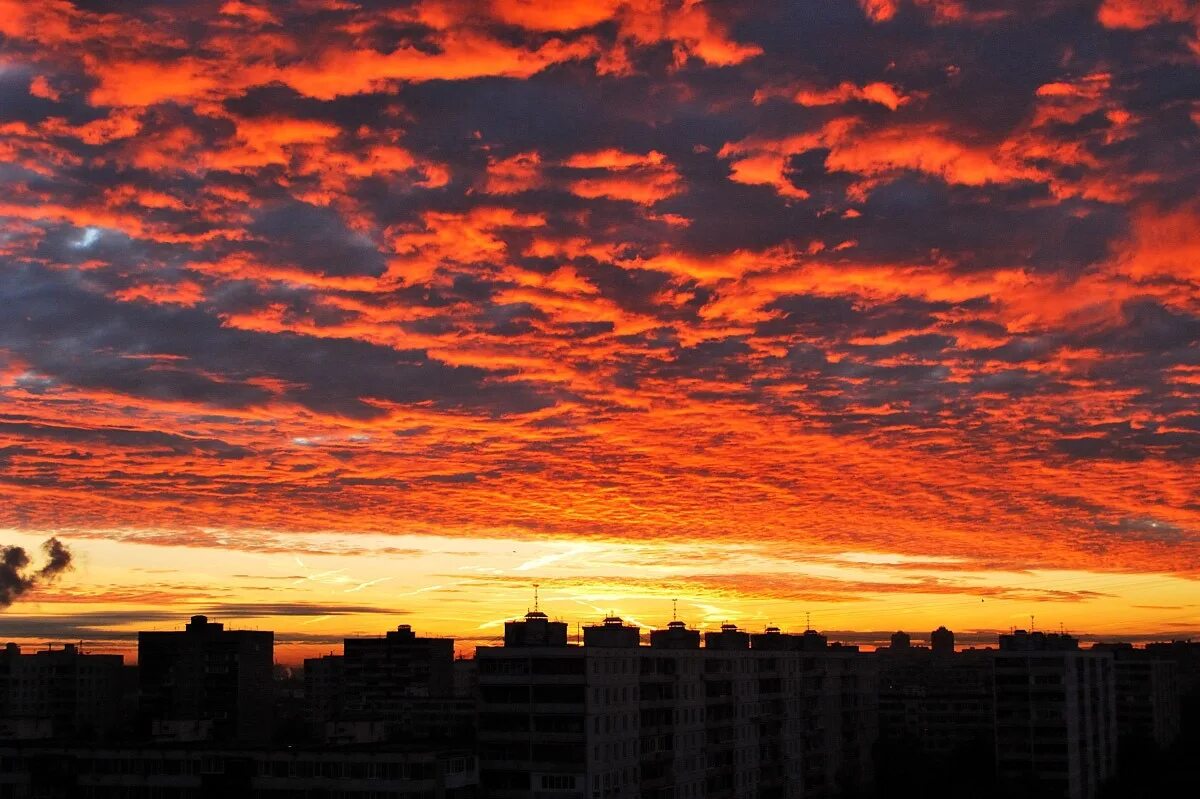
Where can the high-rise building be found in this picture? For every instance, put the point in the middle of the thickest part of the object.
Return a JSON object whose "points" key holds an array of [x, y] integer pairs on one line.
{"points": [[935, 716], [535, 714], [768, 715], [1056, 732], [398, 686], [1147, 698], [672, 714], [60, 693], [1186, 657], [324, 690], [845, 684], [941, 641], [206, 682], [380, 671]]}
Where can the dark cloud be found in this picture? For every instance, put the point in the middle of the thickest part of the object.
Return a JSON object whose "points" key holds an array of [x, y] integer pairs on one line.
{"points": [[315, 239], [15, 576], [85, 339]]}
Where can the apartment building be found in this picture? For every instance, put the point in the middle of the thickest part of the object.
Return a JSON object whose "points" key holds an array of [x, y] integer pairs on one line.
{"points": [[59, 692], [1055, 716], [768, 715], [206, 683], [1148, 698], [200, 771], [398, 686], [935, 703]]}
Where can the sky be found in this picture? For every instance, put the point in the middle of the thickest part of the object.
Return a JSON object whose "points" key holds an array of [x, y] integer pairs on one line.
{"points": [[330, 315]]}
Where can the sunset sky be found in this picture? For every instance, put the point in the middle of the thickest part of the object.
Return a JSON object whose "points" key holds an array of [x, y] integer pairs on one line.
{"points": [[328, 315]]}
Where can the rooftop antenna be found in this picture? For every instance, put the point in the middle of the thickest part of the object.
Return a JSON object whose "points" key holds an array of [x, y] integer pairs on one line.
{"points": [[1031, 627], [674, 610], [535, 597], [807, 621]]}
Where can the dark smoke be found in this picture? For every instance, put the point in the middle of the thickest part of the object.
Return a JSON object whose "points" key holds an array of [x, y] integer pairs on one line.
{"points": [[14, 561]]}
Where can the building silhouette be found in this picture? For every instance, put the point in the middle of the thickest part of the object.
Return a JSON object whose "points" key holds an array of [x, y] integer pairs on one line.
{"points": [[534, 630], [206, 683], [60, 693], [1056, 731], [745, 715], [941, 641], [398, 686], [181, 771], [936, 715], [678, 713], [1148, 698]]}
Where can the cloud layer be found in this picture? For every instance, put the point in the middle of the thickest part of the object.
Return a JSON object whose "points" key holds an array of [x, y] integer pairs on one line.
{"points": [[909, 276]]}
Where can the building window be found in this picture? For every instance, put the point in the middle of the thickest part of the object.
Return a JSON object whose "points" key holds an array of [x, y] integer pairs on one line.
{"points": [[558, 782]]}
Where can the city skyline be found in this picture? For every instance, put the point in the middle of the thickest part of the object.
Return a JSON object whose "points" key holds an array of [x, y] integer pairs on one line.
{"points": [[326, 316]]}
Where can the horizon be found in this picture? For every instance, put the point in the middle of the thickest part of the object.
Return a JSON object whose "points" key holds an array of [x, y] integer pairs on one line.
{"points": [[465, 645], [448, 604]]}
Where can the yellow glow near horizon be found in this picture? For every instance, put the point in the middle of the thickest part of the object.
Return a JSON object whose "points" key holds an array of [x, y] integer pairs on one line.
{"points": [[465, 588]]}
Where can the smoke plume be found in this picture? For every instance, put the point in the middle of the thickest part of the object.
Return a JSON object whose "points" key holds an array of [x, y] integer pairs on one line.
{"points": [[14, 562]]}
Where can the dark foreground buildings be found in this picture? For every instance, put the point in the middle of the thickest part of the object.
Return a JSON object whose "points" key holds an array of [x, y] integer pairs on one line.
{"points": [[936, 716], [1039, 717], [745, 715], [178, 771], [206, 683], [677, 714], [398, 687], [1056, 731], [60, 693]]}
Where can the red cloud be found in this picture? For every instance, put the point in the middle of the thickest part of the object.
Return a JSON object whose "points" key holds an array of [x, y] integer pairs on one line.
{"points": [[515, 174], [620, 175], [1138, 14], [878, 92]]}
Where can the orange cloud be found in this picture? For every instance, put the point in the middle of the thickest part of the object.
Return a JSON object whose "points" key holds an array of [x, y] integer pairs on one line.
{"points": [[144, 82], [184, 293], [1138, 14], [262, 142], [40, 87], [942, 11], [254, 13], [1029, 154], [542, 15], [879, 10], [121, 123], [513, 175], [884, 94], [1163, 245], [766, 169], [462, 55], [690, 26], [927, 150], [643, 179], [444, 238]]}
